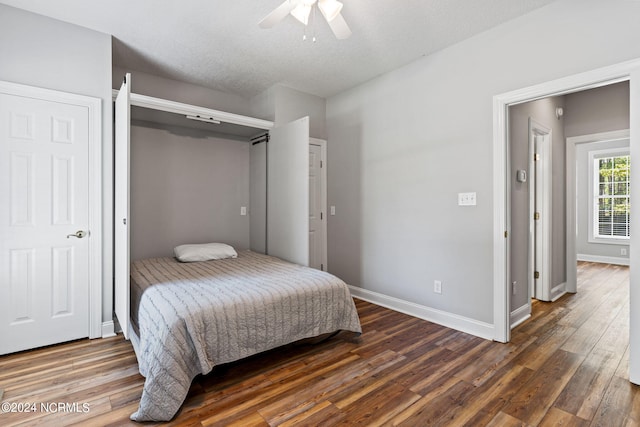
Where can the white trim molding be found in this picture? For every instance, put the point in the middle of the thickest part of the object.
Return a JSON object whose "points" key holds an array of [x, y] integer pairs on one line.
{"points": [[558, 290], [108, 329], [453, 321], [520, 315], [603, 259]]}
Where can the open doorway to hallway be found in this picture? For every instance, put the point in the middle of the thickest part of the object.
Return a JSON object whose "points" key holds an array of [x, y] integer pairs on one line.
{"points": [[535, 206]]}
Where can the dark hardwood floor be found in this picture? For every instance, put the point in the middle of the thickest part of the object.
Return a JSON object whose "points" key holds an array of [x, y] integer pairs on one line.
{"points": [[567, 365]]}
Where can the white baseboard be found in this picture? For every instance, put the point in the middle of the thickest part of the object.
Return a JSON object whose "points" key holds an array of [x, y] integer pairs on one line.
{"points": [[558, 291], [519, 315], [603, 259], [108, 329], [453, 321]]}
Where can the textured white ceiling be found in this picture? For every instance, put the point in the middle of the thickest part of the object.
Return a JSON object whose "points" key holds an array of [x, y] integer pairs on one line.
{"points": [[218, 44]]}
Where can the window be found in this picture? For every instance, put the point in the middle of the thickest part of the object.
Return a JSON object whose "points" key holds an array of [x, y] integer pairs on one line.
{"points": [[610, 172]]}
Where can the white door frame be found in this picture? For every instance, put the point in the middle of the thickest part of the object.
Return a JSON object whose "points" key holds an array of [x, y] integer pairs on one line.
{"points": [[540, 190], [94, 107], [501, 296], [572, 219], [323, 196]]}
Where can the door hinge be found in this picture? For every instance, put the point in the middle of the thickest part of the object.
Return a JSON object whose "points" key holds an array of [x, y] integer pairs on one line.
{"points": [[536, 157], [506, 234], [321, 216], [320, 164], [536, 215], [536, 274], [322, 267]]}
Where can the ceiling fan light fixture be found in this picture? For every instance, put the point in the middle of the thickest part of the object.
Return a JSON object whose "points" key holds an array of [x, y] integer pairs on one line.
{"points": [[330, 9], [301, 12]]}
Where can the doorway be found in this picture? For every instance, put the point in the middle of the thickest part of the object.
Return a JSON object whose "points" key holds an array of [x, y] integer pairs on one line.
{"points": [[318, 204], [502, 184], [536, 207]]}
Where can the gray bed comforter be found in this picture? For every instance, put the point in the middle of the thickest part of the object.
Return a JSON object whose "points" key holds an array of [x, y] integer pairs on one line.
{"points": [[198, 315]]}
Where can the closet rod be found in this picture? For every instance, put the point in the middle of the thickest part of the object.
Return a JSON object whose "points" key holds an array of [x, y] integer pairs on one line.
{"points": [[259, 139]]}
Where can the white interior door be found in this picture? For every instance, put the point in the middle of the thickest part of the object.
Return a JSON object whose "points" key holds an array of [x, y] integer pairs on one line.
{"points": [[121, 216], [317, 205], [44, 219], [288, 192]]}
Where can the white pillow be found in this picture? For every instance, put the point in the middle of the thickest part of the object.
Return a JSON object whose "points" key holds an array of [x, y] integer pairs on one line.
{"points": [[204, 252]]}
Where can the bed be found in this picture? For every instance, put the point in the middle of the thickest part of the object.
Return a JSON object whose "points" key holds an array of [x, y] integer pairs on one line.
{"points": [[188, 317]]}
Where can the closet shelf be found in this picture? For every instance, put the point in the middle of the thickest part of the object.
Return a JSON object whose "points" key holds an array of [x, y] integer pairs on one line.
{"points": [[179, 108]]}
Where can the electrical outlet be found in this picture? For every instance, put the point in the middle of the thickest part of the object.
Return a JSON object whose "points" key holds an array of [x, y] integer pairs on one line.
{"points": [[243, 210], [437, 286], [333, 210], [513, 287], [623, 251]]}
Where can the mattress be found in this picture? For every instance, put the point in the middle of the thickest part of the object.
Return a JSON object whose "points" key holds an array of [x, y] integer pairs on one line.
{"points": [[192, 316]]}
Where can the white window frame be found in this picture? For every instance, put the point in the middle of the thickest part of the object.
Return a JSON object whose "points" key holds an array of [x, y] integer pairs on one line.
{"points": [[593, 196]]}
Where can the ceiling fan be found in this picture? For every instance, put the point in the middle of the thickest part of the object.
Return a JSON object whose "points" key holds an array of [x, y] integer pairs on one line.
{"points": [[301, 10]]}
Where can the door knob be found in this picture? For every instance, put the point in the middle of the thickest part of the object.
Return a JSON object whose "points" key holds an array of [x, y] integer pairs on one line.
{"points": [[79, 234]]}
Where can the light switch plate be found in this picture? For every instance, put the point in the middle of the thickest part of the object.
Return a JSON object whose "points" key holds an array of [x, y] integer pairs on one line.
{"points": [[243, 210], [467, 199]]}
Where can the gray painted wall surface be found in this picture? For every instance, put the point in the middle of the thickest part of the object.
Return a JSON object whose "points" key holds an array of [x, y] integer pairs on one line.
{"points": [[43, 52], [258, 197], [597, 110], [543, 112], [186, 187], [160, 87], [283, 105], [404, 144], [292, 105], [594, 111]]}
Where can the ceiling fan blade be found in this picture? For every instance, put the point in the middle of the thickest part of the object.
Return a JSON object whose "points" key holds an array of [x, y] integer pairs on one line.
{"points": [[278, 14], [339, 27]]}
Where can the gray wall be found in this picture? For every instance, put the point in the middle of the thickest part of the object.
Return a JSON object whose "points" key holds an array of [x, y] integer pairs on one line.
{"points": [[293, 105], [258, 197], [594, 111], [160, 87], [43, 52], [186, 187], [404, 144], [543, 112], [597, 110], [283, 105]]}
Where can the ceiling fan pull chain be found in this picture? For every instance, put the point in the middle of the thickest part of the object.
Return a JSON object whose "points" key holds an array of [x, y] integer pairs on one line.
{"points": [[313, 25]]}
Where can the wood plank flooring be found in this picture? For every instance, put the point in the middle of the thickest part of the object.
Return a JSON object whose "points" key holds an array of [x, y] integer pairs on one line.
{"points": [[567, 365]]}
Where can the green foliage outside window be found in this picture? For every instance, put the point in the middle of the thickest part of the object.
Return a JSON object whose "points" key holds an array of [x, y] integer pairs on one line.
{"points": [[613, 196]]}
